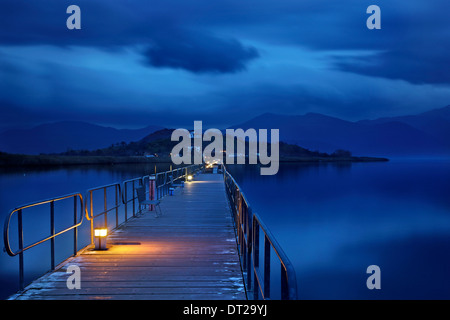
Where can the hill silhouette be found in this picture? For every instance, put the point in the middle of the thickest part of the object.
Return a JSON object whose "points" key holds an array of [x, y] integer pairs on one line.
{"points": [[61, 136], [423, 134]]}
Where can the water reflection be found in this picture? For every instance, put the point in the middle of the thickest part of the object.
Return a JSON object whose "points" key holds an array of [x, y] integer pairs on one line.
{"points": [[26, 185], [334, 220]]}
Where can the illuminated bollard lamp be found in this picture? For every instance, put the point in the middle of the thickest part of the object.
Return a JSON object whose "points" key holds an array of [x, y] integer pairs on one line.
{"points": [[100, 238]]}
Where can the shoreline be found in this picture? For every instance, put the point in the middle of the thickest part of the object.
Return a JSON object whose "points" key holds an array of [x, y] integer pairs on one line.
{"points": [[333, 159], [18, 160]]}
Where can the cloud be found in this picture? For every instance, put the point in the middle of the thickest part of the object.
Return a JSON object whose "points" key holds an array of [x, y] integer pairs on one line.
{"points": [[199, 53], [414, 66], [412, 45], [160, 28], [305, 56], [413, 41]]}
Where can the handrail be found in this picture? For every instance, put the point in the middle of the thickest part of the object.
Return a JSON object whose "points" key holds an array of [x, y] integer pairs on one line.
{"points": [[121, 197], [90, 212], [124, 194], [89, 193], [247, 225], [53, 235], [288, 277], [242, 214], [161, 184], [8, 220], [165, 179]]}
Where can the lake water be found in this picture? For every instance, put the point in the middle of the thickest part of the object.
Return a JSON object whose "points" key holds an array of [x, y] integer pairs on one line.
{"points": [[23, 186], [335, 220], [332, 220]]}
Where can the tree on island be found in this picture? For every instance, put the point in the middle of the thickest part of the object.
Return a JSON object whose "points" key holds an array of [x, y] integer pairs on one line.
{"points": [[340, 153]]}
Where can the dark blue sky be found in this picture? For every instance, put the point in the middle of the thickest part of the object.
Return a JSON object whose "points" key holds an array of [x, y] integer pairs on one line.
{"points": [[170, 62]]}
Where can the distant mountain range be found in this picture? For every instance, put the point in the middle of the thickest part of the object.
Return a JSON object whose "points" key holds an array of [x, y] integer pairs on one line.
{"points": [[157, 142], [423, 134], [158, 146], [62, 136]]}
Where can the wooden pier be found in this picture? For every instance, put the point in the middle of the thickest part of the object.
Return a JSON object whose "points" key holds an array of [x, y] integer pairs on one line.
{"points": [[190, 252]]}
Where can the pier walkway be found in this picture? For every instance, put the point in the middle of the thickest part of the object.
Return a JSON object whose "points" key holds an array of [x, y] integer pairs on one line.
{"points": [[190, 252]]}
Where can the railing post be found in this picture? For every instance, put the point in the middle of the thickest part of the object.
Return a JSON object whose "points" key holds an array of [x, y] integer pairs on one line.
{"points": [[157, 187], [126, 200], [152, 190], [20, 229], [284, 283], [75, 230], [244, 236], [266, 267], [166, 185], [105, 207], [52, 232], [132, 197], [92, 216], [116, 190], [249, 249], [240, 231], [255, 258]]}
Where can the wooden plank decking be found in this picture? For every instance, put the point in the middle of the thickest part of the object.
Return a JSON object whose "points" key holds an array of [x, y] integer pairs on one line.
{"points": [[188, 253]]}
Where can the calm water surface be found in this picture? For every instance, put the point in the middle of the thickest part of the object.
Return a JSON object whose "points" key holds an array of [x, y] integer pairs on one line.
{"points": [[22, 186], [332, 220]]}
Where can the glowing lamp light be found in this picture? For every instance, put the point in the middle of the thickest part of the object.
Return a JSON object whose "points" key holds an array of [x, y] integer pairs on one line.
{"points": [[101, 232], [100, 238], [189, 177]]}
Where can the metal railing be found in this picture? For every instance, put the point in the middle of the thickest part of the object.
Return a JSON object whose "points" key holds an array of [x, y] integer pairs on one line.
{"points": [[248, 225], [287, 271], [53, 234], [164, 180], [162, 184], [125, 194], [120, 196], [90, 213]]}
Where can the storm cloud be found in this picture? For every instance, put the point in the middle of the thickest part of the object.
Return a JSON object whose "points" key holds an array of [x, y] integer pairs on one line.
{"points": [[417, 65], [169, 62], [199, 53], [116, 26]]}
